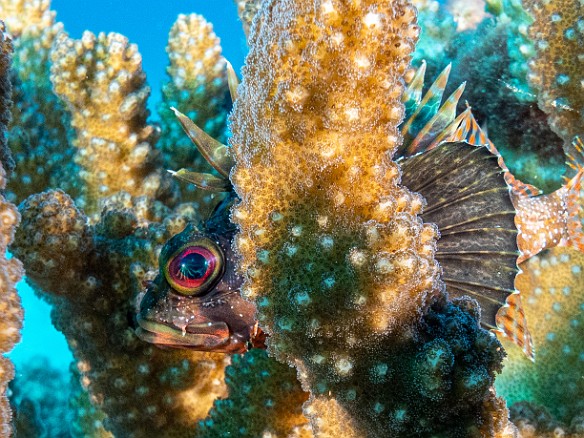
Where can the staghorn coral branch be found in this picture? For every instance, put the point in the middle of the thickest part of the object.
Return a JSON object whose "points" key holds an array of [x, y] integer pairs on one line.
{"points": [[247, 10], [85, 272], [40, 132], [556, 68], [101, 80], [11, 313], [198, 87], [340, 266]]}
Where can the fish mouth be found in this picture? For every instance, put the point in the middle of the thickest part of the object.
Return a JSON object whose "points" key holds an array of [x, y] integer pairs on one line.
{"points": [[209, 336]]}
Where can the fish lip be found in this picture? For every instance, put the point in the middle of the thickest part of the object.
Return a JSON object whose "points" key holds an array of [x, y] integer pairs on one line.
{"points": [[169, 336]]}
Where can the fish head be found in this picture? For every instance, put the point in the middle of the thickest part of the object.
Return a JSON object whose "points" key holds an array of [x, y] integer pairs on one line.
{"points": [[195, 301]]}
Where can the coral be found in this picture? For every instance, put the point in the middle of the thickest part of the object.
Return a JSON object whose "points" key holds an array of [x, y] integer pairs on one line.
{"points": [[556, 70], [264, 400], [100, 78], [40, 129], [515, 124], [11, 314], [198, 87], [438, 29], [515, 20], [247, 10], [434, 384], [41, 388], [536, 422], [552, 286], [335, 257], [85, 272], [468, 13]]}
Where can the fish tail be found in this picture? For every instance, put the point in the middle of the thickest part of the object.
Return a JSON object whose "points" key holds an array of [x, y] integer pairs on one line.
{"points": [[511, 324]]}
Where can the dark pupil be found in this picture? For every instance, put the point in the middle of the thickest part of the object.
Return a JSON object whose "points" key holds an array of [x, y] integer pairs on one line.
{"points": [[193, 266]]}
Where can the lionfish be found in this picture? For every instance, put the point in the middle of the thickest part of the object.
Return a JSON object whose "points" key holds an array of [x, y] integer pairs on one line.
{"points": [[488, 221]]}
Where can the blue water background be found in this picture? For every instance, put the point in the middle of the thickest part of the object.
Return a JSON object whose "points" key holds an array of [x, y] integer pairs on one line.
{"points": [[146, 23]]}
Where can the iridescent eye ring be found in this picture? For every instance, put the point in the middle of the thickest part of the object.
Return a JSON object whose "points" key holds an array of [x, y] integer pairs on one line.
{"points": [[195, 268]]}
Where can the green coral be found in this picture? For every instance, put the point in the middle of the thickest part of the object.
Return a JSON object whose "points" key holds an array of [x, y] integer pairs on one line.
{"points": [[265, 399]]}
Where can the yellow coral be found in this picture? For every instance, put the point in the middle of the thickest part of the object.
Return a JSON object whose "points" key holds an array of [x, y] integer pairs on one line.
{"points": [[141, 389], [22, 16], [552, 287], [10, 269], [102, 81], [11, 314], [247, 10], [339, 264], [38, 132], [198, 87], [556, 69], [313, 134]]}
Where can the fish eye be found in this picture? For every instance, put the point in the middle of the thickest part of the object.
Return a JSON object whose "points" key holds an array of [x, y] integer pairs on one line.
{"points": [[195, 268]]}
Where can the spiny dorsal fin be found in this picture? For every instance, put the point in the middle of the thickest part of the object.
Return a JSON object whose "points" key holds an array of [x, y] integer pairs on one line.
{"points": [[437, 124], [413, 94], [574, 158], [216, 153], [232, 81], [468, 199], [426, 109]]}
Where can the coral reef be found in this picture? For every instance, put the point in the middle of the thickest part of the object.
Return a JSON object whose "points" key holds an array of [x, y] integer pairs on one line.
{"points": [[335, 257], [84, 270], [247, 10], [11, 313], [556, 70], [536, 422], [438, 29], [100, 78], [265, 399], [552, 286], [40, 129], [496, 85], [40, 388], [343, 270], [198, 87]]}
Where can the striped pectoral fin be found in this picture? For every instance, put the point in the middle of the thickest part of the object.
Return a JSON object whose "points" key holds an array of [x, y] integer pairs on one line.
{"points": [[511, 324], [468, 198]]}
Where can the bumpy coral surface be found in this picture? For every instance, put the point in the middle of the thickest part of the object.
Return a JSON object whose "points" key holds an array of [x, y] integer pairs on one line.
{"points": [[313, 169], [336, 259], [85, 272], [536, 422], [40, 126], [10, 269], [197, 87], [102, 82], [265, 399], [556, 69], [247, 10], [552, 286]]}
